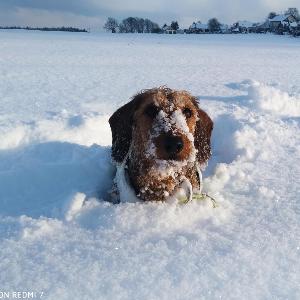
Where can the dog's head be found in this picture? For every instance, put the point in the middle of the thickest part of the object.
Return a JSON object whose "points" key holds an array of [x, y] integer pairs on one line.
{"points": [[162, 124]]}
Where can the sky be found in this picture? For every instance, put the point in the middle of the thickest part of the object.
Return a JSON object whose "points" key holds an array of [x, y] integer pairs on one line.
{"points": [[93, 13]]}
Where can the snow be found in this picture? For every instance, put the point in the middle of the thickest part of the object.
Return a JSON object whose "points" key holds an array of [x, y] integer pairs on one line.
{"points": [[294, 24], [59, 237], [163, 123], [270, 99], [179, 121]]}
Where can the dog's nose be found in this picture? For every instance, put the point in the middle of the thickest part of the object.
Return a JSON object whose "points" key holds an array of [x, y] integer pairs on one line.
{"points": [[173, 144]]}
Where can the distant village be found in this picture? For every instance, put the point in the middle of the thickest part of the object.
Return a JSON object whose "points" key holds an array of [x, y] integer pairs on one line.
{"points": [[287, 23]]}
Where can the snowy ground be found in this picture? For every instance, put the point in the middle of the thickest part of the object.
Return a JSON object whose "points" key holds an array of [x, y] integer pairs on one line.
{"points": [[57, 91]]}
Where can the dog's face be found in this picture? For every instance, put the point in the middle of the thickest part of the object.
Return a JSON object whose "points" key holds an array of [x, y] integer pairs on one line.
{"points": [[167, 134], [165, 124]]}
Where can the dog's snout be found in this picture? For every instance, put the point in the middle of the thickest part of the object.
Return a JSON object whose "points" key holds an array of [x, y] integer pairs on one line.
{"points": [[173, 144]]}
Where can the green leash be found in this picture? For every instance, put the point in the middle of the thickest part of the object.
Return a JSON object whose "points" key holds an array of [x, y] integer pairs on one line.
{"points": [[199, 197]]}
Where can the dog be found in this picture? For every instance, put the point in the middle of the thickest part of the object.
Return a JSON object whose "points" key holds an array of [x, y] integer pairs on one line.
{"points": [[162, 139]]}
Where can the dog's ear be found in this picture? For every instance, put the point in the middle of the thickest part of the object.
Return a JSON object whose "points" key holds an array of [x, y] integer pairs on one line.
{"points": [[203, 130], [121, 123]]}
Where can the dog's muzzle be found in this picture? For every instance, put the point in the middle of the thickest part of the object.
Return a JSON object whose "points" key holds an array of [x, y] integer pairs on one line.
{"points": [[173, 145]]}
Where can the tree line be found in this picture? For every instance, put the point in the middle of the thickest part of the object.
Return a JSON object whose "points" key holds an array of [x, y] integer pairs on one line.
{"points": [[132, 25], [140, 25], [69, 29]]}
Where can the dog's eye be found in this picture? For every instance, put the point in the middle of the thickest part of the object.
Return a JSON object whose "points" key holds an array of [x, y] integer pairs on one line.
{"points": [[187, 112], [151, 111]]}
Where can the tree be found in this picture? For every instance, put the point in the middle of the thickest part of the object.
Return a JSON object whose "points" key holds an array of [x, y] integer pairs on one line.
{"points": [[147, 26], [129, 25], [294, 12], [214, 25], [140, 22], [174, 25], [140, 25], [155, 28], [122, 28], [111, 25], [151, 27], [271, 15]]}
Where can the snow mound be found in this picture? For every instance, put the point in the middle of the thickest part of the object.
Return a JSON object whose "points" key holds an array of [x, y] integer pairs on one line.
{"points": [[83, 129], [39, 179], [44, 163], [271, 99]]}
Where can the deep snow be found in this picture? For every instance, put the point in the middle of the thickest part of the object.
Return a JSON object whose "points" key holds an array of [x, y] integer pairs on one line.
{"points": [[58, 236]]}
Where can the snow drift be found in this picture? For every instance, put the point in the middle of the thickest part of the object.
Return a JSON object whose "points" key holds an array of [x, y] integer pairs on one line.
{"points": [[271, 99]]}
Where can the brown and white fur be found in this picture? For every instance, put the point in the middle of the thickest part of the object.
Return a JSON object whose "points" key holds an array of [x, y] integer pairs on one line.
{"points": [[162, 138]]}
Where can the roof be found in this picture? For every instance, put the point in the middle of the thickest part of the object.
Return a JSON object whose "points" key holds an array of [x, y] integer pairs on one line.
{"points": [[167, 28], [245, 24], [279, 18], [199, 25], [265, 24]]}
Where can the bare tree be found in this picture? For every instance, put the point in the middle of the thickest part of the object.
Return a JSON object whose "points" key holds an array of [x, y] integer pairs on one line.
{"points": [[155, 28], [148, 26], [111, 24], [129, 25], [174, 25], [140, 25], [214, 25], [294, 12], [151, 27]]}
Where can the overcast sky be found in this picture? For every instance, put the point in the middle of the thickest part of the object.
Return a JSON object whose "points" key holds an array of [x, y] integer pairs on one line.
{"points": [[93, 13]]}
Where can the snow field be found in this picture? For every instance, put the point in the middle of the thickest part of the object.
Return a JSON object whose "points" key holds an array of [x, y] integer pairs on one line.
{"points": [[59, 237]]}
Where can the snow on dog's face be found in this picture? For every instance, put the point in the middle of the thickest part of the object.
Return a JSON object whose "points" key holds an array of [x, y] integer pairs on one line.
{"points": [[164, 134], [166, 123]]}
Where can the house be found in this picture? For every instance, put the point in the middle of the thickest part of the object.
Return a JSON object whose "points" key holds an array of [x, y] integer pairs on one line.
{"points": [[242, 27], [168, 29], [198, 28], [281, 22], [261, 27], [234, 29]]}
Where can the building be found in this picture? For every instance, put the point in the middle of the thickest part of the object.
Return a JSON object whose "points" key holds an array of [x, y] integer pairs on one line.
{"points": [[242, 27], [262, 27], [281, 22], [168, 29], [198, 28]]}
